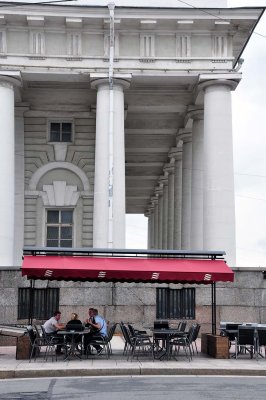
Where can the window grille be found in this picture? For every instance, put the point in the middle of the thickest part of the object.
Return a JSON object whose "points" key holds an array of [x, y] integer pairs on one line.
{"points": [[44, 302], [175, 303]]}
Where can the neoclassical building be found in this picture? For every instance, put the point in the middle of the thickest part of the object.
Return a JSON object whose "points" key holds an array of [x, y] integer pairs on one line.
{"points": [[110, 110]]}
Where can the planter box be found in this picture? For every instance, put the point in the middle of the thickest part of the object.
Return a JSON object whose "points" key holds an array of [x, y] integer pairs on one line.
{"points": [[23, 348], [214, 345]]}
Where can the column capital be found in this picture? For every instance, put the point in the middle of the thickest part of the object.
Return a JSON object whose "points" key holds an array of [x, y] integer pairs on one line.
{"points": [[163, 180], [185, 135], [195, 113], [12, 78], [158, 190], [175, 153], [122, 80], [206, 81], [168, 168]]}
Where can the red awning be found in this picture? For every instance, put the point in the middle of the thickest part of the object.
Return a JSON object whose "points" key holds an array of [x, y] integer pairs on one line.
{"points": [[114, 269]]}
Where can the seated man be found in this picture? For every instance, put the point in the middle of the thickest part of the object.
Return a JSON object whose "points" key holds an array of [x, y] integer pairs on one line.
{"points": [[98, 329], [51, 326]]}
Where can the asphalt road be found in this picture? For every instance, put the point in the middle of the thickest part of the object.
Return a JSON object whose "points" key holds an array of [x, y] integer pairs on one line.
{"points": [[141, 388]]}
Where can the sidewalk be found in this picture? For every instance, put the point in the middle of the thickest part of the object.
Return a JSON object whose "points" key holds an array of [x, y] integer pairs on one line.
{"points": [[118, 365]]}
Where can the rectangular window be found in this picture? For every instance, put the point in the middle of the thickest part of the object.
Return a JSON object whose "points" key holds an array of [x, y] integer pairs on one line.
{"points": [[60, 131], [175, 303], [44, 302], [59, 228]]}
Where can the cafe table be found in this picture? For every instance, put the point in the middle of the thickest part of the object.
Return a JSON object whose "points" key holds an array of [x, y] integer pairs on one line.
{"points": [[165, 335], [71, 351]]}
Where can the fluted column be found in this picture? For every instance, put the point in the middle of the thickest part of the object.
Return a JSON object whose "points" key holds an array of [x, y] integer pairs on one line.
{"points": [[218, 200], [185, 136], [7, 168], [106, 232], [196, 236]]}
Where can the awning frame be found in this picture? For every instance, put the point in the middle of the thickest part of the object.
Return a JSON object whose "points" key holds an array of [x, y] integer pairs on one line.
{"points": [[128, 253]]}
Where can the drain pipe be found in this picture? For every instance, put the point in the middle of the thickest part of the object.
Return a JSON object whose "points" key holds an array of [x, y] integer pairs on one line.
{"points": [[111, 7]]}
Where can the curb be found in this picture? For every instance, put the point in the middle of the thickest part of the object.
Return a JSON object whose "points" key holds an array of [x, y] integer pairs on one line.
{"points": [[16, 374]]}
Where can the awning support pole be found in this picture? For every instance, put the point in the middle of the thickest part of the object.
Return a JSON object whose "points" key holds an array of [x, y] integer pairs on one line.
{"points": [[213, 308], [32, 283]]}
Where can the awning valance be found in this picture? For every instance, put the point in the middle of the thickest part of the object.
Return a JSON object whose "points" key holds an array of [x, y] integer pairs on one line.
{"points": [[115, 269]]}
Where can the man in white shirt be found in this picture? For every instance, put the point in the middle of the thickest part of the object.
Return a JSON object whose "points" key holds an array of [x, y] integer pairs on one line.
{"points": [[52, 325]]}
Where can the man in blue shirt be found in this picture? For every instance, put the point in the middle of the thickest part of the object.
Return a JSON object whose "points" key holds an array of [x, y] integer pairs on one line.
{"points": [[98, 329]]}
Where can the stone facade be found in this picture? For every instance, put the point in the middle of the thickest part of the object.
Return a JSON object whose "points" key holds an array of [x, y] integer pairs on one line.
{"points": [[243, 300]]}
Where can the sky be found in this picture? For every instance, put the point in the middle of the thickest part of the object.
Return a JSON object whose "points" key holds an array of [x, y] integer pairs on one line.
{"points": [[249, 137]]}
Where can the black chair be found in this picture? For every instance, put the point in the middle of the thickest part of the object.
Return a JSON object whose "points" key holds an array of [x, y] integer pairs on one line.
{"points": [[195, 337], [137, 345], [261, 337], [246, 340], [184, 342], [52, 342], [159, 341], [37, 344]]}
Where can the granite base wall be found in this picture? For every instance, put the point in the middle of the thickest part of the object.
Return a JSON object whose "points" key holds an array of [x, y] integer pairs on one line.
{"points": [[242, 300]]}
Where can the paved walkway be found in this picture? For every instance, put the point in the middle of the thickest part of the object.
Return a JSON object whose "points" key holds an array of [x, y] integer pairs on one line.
{"points": [[118, 365]]}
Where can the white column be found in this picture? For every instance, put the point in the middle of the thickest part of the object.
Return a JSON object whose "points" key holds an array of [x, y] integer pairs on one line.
{"points": [[185, 136], [164, 181], [159, 193], [156, 221], [19, 183], [148, 215], [176, 153], [101, 220], [100, 209], [119, 187], [196, 236], [170, 218], [7, 168], [152, 227], [219, 207]]}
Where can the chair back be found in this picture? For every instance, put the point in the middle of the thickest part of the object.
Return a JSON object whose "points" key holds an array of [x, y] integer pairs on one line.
{"points": [[161, 325], [183, 326], [111, 332], [261, 336], [126, 334], [190, 334], [246, 335], [31, 334], [196, 332]]}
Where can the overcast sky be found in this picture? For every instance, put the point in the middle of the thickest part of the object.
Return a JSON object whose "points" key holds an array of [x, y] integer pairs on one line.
{"points": [[249, 130]]}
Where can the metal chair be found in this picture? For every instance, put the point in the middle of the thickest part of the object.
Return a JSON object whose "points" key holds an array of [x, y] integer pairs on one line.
{"points": [[194, 338], [184, 342], [246, 340], [37, 343], [261, 343], [52, 343]]}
